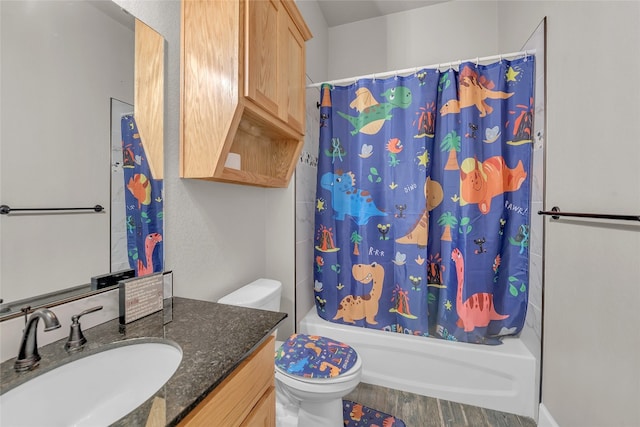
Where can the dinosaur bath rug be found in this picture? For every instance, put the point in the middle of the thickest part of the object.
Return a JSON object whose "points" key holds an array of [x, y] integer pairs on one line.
{"points": [[357, 415]]}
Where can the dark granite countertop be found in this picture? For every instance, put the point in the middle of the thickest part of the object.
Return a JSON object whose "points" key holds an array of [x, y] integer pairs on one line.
{"points": [[215, 339]]}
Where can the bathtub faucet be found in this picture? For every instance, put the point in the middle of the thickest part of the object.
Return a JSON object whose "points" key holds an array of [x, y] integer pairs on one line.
{"points": [[28, 357]]}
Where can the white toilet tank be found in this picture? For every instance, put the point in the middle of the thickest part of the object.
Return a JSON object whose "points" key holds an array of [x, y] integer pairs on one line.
{"points": [[263, 294]]}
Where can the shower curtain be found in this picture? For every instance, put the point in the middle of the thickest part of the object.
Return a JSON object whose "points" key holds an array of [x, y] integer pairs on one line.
{"points": [[143, 203], [422, 207]]}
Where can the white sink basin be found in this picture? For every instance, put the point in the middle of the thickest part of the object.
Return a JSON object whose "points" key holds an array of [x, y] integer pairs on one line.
{"points": [[95, 390]]}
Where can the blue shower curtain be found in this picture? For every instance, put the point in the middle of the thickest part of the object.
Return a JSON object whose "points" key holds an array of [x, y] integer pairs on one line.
{"points": [[422, 209], [143, 203]]}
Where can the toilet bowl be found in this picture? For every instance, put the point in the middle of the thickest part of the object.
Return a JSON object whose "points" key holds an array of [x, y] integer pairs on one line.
{"points": [[312, 373]]}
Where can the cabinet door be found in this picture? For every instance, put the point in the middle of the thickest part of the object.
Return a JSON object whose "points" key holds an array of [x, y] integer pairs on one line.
{"points": [[264, 413], [239, 395], [294, 64], [262, 68]]}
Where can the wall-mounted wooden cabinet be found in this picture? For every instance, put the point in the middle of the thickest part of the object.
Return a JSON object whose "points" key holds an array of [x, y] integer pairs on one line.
{"points": [[243, 90]]}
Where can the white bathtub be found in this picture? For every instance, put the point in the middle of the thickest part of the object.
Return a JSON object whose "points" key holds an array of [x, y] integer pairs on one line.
{"points": [[495, 377]]}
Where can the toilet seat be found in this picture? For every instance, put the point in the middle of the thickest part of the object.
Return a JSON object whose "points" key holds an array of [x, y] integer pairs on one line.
{"points": [[316, 359], [344, 377]]}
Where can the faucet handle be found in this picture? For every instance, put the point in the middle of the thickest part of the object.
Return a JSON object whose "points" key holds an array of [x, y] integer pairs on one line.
{"points": [[76, 339], [76, 317]]}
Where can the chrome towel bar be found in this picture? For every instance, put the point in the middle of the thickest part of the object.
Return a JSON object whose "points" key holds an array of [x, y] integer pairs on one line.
{"points": [[5, 210], [556, 214]]}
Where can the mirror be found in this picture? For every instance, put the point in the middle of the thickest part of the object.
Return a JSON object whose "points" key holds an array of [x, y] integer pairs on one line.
{"points": [[64, 67]]}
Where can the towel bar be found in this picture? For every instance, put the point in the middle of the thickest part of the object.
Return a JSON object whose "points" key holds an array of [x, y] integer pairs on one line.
{"points": [[556, 214], [5, 210]]}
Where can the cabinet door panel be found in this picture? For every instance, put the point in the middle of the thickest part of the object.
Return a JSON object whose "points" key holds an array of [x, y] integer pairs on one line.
{"points": [[232, 401], [264, 413], [209, 92], [295, 86], [262, 70]]}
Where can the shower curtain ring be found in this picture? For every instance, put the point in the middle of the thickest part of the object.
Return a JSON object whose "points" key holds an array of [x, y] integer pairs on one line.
{"points": [[477, 61]]}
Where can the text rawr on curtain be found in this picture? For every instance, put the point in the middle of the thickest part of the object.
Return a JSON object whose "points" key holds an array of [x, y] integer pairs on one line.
{"points": [[422, 208]]}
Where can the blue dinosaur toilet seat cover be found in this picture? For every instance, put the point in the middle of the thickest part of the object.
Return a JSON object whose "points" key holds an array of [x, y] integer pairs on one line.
{"points": [[313, 356]]}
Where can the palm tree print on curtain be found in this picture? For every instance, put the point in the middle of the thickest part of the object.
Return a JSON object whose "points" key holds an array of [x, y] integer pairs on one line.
{"points": [[422, 211]]}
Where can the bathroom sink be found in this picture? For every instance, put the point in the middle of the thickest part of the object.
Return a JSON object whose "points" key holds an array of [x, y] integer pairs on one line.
{"points": [[94, 390]]}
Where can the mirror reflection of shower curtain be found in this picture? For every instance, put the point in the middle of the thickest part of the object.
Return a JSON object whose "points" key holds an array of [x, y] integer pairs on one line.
{"points": [[143, 204], [422, 210]]}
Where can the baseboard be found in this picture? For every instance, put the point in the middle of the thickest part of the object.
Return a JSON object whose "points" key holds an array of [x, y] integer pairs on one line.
{"points": [[545, 419]]}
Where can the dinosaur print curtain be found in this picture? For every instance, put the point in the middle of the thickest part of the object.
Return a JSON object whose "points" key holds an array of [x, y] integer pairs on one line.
{"points": [[422, 208], [143, 203]]}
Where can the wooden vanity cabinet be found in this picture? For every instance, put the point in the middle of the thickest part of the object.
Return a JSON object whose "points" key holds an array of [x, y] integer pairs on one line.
{"points": [[243, 90], [244, 398]]}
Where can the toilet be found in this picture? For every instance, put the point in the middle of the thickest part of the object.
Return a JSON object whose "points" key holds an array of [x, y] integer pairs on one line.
{"points": [[313, 373]]}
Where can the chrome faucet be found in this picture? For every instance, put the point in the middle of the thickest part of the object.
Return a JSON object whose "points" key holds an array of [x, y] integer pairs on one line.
{"points": [[28, 357]]}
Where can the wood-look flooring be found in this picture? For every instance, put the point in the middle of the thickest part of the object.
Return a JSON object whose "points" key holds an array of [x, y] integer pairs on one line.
{"points": [[420, 411]]}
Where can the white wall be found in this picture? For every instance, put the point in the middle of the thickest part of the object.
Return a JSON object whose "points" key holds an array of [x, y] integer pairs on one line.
{"points": [[591, 368], [280, 250], [316, 60], [55, 133], [441, 33]]}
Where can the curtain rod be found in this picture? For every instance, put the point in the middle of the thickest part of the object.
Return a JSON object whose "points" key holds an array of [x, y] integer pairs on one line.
{"points": [[415, 69]]}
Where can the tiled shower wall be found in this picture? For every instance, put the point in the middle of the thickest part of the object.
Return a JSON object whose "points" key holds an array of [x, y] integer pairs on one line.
{"points": [[119, 256], [531, 334]]}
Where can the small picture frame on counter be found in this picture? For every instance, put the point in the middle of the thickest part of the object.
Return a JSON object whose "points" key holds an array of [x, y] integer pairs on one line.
{"points": [[140, 297]]}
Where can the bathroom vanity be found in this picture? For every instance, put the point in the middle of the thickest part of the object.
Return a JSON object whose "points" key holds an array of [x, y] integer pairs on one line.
{"points": [[226, 373]]}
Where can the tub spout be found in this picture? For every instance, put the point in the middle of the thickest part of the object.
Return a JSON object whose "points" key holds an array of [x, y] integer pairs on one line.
{"points": [[28, 357]]}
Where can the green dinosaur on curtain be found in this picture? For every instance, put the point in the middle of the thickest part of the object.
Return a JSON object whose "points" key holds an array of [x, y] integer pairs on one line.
{"points": [[373, 114]]}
